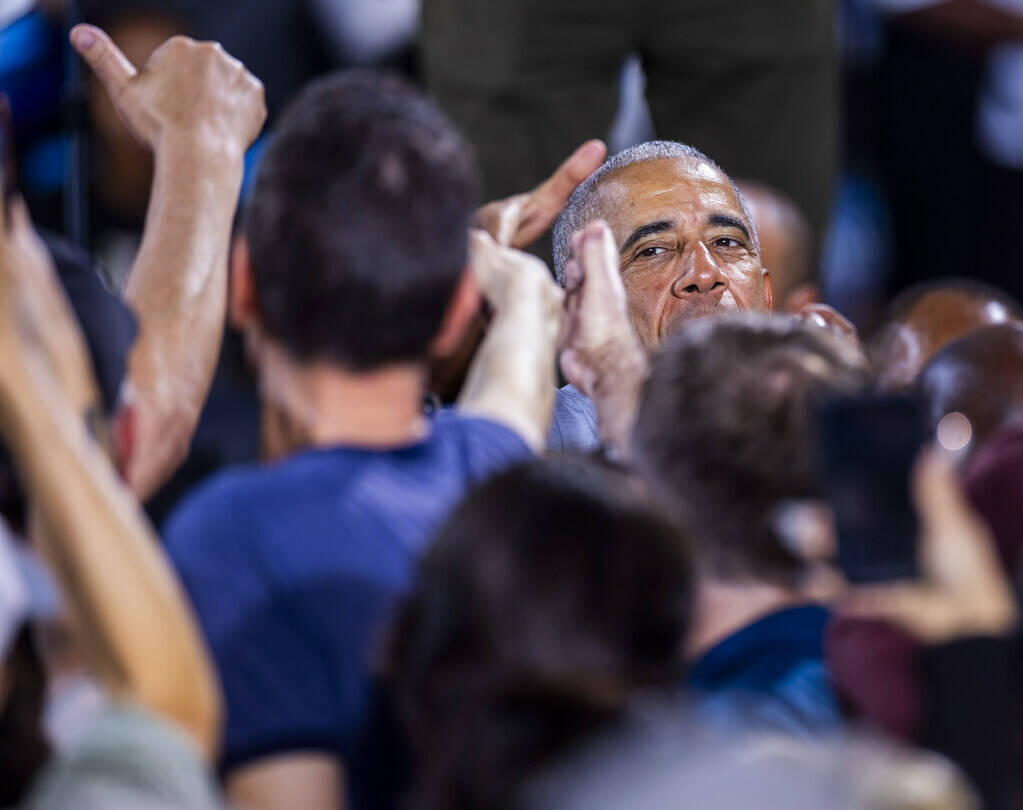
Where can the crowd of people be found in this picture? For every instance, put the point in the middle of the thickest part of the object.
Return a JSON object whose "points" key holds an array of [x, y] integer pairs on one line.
{"points": [[520, 536]]}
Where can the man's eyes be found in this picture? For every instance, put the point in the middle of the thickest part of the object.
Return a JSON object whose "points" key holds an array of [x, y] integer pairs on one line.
{"points": [[651, 251], [727, 242]]}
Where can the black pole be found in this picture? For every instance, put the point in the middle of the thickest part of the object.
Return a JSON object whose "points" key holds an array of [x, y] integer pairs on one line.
{"points": [[76, 189]]}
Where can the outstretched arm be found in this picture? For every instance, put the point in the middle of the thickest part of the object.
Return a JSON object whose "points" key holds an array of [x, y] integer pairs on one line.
{"points": [[136, 625], [198, 109]]}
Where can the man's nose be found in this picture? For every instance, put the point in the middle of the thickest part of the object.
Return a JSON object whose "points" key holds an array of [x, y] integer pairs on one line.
{"points": [[700, 274]]}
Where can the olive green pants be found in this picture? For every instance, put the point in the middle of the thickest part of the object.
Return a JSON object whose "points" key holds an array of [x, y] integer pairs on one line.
{"points": [[752, 83]]}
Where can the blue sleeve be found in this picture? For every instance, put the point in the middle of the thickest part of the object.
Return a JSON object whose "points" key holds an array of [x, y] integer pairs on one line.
{"points": [[488, 447], [290, 653]]}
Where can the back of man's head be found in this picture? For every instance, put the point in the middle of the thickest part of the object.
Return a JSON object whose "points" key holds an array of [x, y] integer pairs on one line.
{"points": [[928, 316], [357, 223], [724, 437]]}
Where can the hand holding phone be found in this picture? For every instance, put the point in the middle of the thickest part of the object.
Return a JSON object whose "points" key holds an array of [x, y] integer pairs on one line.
{"points": [[867, 449]]}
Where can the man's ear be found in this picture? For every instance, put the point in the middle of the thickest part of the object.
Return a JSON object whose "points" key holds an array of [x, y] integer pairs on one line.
{"points": [[768, 295], [464, 305], [242, 310]]}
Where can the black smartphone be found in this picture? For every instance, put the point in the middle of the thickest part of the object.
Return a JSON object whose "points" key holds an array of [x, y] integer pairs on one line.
{"points": [[867, 446]]}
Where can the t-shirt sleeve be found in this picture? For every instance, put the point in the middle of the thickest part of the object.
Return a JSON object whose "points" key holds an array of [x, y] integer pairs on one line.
{"points": [[127, 758], [487, 447]]}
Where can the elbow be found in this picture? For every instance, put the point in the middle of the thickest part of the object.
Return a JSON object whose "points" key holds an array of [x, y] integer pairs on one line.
{"points": [[161, 445]]}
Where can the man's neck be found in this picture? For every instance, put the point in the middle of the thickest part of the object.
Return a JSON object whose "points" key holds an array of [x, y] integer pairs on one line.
{"points": [[321, 405], [724, 608]]}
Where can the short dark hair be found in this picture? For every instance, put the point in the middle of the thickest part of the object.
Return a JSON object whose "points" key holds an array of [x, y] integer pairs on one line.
{"points": [[357, 222], [551, 595], [723, 433]]}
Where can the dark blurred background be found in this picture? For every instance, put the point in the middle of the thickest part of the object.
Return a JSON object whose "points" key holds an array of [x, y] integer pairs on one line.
{"points": [[926, 180]]}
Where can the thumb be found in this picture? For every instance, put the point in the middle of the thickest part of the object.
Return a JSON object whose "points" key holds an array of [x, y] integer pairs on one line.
{"points": [[105, 59]]}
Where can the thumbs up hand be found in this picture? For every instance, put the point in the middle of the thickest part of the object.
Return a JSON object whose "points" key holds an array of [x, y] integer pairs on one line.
{"points": [[188, 88]]}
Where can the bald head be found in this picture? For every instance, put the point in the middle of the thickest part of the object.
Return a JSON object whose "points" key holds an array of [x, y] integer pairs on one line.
{"points": [[926, 318], [786, 246], [980, 376]]}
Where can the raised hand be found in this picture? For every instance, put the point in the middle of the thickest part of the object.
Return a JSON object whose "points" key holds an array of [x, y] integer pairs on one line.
{"points": [[198, 109], [511, 380], [188, 87], [601, 353], [510, 278], [964, 591], [520, 220]]}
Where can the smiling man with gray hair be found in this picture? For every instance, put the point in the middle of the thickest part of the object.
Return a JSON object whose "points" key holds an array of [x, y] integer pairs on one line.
{"points": [[685, 246]]}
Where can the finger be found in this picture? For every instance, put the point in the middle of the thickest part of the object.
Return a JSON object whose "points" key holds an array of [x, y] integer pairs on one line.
{"points": [[548, 199], [556, 189], [572, 274], [105, 59], [599, 259], [509, 219], [483, 253]]}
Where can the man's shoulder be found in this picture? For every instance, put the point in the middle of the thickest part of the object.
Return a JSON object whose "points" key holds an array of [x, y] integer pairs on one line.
{"points": [[480, 445], [228, 504]]}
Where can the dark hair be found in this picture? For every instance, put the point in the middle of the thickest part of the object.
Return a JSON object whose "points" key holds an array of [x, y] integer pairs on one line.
{"points": [[723, 433], [357, 222], [23, 746], [549, 597]]}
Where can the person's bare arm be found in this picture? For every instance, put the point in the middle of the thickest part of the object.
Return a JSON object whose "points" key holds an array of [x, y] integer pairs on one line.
{"points": [[601, 354], [310, 780], [198, 109], [511, 380], [137, 627]]}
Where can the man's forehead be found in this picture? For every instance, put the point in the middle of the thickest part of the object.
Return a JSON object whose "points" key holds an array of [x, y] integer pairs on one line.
{"points": [[670, 186]]}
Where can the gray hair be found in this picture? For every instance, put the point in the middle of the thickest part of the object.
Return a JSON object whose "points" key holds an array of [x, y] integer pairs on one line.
{"points": [[582, 205]]}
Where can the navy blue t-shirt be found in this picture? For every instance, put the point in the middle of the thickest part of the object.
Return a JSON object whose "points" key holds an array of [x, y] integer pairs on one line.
{"points": [[293, 568]]}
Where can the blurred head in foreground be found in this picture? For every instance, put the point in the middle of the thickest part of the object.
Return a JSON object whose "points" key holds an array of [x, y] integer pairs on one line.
{"points": [[548, 599], [723, 434]]}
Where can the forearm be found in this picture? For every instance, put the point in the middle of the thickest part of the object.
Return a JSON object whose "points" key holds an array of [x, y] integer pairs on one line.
{"points": [[511, 379], [136, 623], [178, 288]]}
